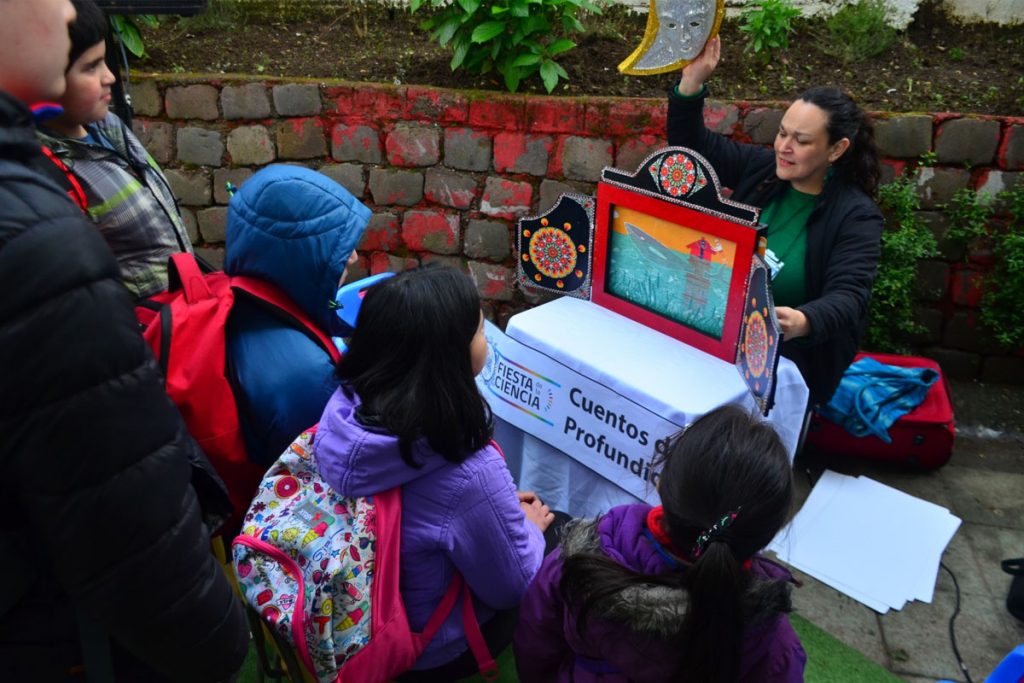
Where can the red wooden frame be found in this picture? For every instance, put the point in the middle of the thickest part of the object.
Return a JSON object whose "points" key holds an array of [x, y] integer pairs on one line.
{"points": [[743, 236]]}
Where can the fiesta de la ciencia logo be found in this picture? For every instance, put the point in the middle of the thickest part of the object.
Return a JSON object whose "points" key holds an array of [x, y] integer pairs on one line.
{"points": [[519, 386]]}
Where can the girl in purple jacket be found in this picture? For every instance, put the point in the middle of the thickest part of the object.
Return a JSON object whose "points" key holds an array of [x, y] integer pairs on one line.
{"points": [[675, 592], [408, 413]]}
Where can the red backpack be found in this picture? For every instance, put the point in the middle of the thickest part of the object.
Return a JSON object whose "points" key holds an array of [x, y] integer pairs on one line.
{"points": [[185, 328]]}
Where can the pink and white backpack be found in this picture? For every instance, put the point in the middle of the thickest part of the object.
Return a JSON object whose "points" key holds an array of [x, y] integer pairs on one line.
{"points": [[322, 571]]}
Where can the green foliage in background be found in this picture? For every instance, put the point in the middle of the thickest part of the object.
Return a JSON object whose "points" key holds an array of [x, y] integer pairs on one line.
{"points": [[972, 222], [516, 38], [905, 241], [858, 32], [125, 27], [767, 24]]}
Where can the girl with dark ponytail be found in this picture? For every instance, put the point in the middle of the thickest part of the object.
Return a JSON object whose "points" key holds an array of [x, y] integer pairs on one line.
{"points": [[815, 188], [674, 592]]}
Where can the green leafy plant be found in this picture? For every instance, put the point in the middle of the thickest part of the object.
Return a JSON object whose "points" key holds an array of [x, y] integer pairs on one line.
{"points": [[905, 241], [126, 29], [768, 24], [858, 32], [516, 38], [971, 217]]}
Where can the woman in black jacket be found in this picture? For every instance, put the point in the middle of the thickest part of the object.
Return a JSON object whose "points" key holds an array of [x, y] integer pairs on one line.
{"points": [[815, 190]]}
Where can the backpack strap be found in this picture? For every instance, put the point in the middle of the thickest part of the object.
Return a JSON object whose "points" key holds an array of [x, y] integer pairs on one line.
{"points": [[59, 172], [279, 303], [477, 644], [183, 273]]}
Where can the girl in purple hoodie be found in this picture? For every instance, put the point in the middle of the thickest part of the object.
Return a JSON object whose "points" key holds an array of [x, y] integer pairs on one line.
{"points": [[408, 413], [674, 592]]}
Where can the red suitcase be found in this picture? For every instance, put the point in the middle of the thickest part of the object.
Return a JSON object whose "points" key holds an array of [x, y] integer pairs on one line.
{"points": [[922, 438]]}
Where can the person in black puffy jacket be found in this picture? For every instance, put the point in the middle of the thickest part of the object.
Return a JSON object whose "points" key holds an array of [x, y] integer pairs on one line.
{"points": [[104, 535]]}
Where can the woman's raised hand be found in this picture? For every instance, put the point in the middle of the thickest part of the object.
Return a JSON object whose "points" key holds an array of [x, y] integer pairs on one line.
{"points": [[701, 68]]}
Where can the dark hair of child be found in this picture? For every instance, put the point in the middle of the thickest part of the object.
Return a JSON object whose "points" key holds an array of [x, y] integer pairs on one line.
{"points": [[409, 362], [726, 461], [89, 27], [860, 162]]}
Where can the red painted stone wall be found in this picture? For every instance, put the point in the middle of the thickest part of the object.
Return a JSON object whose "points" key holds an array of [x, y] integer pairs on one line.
{"points": [[448, 173]]}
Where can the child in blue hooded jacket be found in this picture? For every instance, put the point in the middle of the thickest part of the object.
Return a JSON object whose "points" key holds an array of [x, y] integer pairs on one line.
{"points": [[297, 229]]}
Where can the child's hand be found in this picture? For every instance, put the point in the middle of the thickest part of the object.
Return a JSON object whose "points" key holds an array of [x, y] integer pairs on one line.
{"points": [[535, 511]]}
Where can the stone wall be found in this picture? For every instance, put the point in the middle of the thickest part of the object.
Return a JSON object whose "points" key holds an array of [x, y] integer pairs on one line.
{"points": [[447, 173]]}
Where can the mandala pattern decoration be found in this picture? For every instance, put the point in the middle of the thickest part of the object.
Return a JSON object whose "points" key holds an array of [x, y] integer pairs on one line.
{"points": [[682, 176], [678, 175], [757, 355], [553, 249]]}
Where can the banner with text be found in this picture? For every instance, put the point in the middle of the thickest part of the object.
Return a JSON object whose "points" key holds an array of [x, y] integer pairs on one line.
{"points": [[608, 433]]}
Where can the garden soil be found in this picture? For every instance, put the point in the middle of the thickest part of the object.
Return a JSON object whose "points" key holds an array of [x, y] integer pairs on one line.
{"points": [[935, 65]]}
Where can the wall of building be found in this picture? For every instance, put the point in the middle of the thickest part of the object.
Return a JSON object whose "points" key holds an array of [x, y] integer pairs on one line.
{"points": [[448, 173]]}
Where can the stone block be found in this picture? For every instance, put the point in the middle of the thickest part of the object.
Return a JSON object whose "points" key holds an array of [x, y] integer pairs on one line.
{"points": [[250, 146], [355, 143], [487, 240], [584, 158], [936, 186], [505, 112], [967, 141], [223, 176], [1011, 152], [904, 137], [993, 183], [386, 263], [721, 118], [930, 320], [200, 146], [522, 153], [450, 188], [213, 256], [455, 262], [1004, 370], [413, 144], [938, 223], [506, 199], [349, 176], [247, 101], [551, 190], [431, 231], [956, 364], [962, 332], [762, 125], [467, 149], [554, 114], [616, 117], [966, 287], [932, 280], [157, 137], [631, 152], [300, 139], [192, 102], [492, 281], [188, 217], [191, 188], [296, 99], [403, 188], [213, 223], [146, 100], [437, 106], [382, 233]]}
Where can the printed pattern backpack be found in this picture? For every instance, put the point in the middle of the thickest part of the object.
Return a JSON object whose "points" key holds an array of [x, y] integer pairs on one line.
{"points": [[185, 328], [322, 570]]}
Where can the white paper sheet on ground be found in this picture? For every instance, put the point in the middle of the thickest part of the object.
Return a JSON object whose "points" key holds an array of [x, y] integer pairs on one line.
{"points": [[875, 543]]}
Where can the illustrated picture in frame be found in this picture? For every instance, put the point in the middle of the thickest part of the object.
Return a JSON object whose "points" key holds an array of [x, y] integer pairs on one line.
{"points": [[676, 269]]}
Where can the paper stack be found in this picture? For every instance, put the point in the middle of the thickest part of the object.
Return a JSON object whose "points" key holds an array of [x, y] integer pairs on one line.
{"points": [[870, 541]]}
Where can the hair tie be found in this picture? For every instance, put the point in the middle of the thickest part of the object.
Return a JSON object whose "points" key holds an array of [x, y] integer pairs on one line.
{"points": [[714, 533]]}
